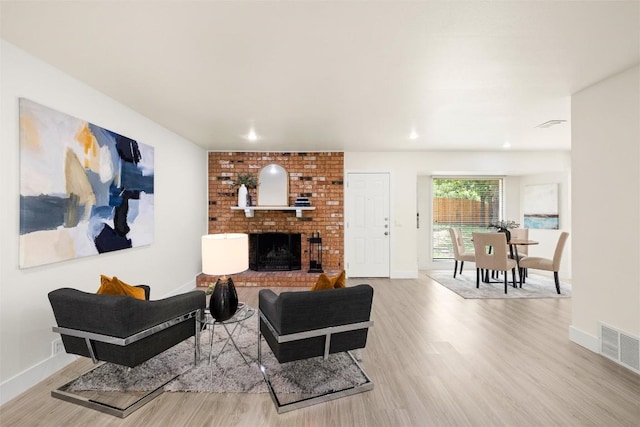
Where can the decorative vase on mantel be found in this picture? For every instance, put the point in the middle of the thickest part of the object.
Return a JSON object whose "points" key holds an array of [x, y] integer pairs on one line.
{"points": [[242, 196]]}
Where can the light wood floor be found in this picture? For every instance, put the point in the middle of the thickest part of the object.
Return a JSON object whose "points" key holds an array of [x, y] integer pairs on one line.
{"points": [[436, 360]]}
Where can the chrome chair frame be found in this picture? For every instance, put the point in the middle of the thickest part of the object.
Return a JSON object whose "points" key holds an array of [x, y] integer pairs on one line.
{"points": [[326, 332], [89, 337]]}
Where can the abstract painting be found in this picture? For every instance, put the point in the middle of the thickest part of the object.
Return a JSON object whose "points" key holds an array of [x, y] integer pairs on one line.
{"points": [[84, 190], [541, 206]]}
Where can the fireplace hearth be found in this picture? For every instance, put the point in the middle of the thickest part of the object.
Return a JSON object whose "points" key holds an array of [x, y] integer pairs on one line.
{"points": [[275, 251]]}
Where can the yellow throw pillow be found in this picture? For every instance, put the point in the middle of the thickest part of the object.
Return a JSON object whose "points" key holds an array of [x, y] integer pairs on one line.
{"points": [[115, 286], [106, 287], [324, 282], [340, 281]]}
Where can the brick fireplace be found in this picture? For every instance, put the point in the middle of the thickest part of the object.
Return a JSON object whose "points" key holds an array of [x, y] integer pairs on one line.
{"points": [[316, 176], [275, 251]]}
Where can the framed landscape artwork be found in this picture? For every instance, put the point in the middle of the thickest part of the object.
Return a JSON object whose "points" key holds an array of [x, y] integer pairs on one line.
{"points": [[541, 206], [84, 190]]}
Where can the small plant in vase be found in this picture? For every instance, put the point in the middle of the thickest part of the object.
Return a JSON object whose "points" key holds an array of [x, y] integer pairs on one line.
{"points": [[504, 226], [209, 290], [245, 182]]}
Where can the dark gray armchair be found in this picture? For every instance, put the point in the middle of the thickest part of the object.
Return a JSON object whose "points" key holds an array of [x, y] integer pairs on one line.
{"points": [[301, 325], [123, 330]]}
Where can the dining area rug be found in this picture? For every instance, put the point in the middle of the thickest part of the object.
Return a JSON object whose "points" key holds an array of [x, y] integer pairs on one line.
{"points": [[535, 286]]}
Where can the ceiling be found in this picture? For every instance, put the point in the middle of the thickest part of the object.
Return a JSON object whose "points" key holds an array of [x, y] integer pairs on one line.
{"points": [[343, 76]]}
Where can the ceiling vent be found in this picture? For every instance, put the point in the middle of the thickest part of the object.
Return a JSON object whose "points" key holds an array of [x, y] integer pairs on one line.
{"points": [[619, 346], [550, 123]]}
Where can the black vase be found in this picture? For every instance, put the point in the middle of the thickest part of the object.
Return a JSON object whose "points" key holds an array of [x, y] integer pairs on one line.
{"points": [[224, 300], [506, 232]]}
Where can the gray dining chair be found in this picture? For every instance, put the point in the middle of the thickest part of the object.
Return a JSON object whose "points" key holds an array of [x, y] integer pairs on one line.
{"points": [[548, 264], [491, 254], [521, 234], [520, 250], [459, 252]]}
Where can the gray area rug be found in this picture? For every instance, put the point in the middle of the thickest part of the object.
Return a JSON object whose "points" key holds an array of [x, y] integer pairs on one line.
{"points": [[228, 373], [536, 286]]}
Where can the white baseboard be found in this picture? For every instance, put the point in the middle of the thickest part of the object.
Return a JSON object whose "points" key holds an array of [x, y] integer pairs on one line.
{"points": [[408, 274], [584, 339], [28, 378]]}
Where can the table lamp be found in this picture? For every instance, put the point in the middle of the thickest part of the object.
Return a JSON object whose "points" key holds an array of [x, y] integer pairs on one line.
{"points": [[222, 255]]}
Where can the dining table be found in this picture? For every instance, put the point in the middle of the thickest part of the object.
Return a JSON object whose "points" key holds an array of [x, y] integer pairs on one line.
{"points": [[513, 250]]}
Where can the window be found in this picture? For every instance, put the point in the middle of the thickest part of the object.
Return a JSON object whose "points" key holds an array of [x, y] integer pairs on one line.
{"points": [[470, 204]]}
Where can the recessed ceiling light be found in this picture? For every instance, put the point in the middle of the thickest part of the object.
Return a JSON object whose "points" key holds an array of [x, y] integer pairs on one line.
{"points": [[252, 135], [414, 134], [550, 123], [507, 144]]}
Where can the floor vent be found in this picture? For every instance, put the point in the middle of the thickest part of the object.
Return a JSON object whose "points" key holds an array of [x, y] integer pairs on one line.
{"points": [[620, 347]]}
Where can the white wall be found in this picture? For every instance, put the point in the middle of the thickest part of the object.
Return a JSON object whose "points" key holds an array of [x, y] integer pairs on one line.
{"points": [[180, 218], [411, 192], [606, 210]]}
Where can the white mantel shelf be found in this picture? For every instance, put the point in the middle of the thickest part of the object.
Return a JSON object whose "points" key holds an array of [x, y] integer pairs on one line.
{"points": [[249, 210]]}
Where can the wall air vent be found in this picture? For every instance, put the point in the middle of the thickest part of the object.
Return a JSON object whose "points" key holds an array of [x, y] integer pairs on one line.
{"points": [[620, 347], [609, 342], [550, 123], [630, 351]]}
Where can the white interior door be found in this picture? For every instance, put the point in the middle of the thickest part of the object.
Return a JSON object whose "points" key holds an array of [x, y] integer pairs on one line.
{"points": [[368, 226]]}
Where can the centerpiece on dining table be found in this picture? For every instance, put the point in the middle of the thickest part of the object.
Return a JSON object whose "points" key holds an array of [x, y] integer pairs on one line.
{"points": [[503, 227]]}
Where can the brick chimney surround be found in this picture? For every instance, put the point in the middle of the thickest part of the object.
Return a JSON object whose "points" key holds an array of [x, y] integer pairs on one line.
{"points": [[319, 176]]}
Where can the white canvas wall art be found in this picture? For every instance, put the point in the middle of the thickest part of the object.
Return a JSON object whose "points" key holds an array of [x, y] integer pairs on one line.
{"points": [[541, 206]]}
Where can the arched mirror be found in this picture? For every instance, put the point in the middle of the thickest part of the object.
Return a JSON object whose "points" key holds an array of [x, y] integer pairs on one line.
{"points": [[273, 187]]}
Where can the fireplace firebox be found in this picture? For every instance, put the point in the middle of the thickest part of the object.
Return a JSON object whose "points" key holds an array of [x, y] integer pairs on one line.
{"points": [[275, 251]]}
